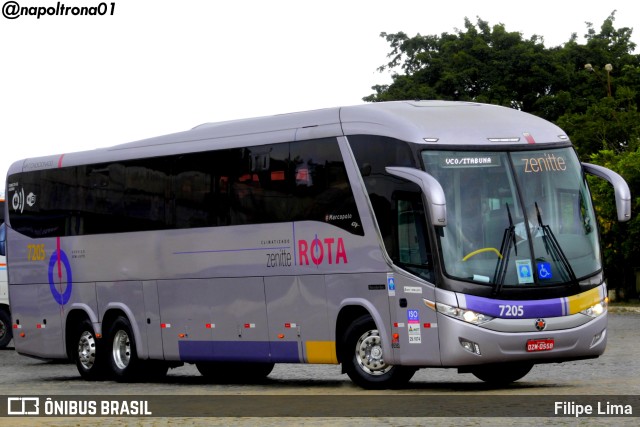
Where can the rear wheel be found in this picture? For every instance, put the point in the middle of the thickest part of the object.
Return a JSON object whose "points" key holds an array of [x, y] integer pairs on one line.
{"points": [[501, 374], [234, 372], [123, 360], [89, 357], [5, 328], [364, 361]]}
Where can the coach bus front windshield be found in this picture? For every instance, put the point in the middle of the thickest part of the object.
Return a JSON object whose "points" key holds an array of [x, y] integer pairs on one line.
{"points": [[516, 219]]}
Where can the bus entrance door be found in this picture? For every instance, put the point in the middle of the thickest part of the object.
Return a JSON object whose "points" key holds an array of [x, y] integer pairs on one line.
{"points": [[414, 331]]}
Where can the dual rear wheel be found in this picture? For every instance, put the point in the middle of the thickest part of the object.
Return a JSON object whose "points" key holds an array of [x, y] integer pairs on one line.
{"points": [[114, 356]]}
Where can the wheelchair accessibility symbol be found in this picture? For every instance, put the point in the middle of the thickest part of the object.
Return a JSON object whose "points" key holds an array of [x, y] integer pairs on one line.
{"points": [[544, 271], [57, 262]]}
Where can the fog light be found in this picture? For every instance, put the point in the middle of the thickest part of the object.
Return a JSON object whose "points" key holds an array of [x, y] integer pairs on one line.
{"points": [[598, 337], [470, 346]]}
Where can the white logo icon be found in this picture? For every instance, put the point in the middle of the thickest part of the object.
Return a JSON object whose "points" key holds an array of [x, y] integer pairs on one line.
{"points": [[31, 199]]}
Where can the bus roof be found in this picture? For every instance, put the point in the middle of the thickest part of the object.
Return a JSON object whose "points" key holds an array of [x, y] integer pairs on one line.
{"points": [[437, 123], [453, 123]]}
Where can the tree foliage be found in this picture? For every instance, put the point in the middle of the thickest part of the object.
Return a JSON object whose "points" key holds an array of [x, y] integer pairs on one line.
{"points": [[620, 241], [590, 89]]}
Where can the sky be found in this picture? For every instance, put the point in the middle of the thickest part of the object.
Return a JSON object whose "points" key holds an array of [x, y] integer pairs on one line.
{"points": [[151, 67]]}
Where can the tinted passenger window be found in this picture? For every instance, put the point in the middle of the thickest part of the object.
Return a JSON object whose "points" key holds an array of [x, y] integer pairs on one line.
{"points": [[271, 183], [373, 154], [397, 204], [321, 186]]}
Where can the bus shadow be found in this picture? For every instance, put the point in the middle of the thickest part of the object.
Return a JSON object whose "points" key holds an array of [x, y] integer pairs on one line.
{"points": [[322, 386], [181, 378]]}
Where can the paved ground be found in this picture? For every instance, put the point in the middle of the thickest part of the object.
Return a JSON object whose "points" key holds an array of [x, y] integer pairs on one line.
{"points": [[616, 373]]}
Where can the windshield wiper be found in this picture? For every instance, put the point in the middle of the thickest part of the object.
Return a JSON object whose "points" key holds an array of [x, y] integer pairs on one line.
{"points": [[508, 239], [553, 247]]}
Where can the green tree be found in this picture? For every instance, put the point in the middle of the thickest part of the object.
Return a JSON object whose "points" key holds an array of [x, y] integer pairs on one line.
{"points": [[579, 78], [481, 63], [602, 119], [620, 241], [591, 90]]}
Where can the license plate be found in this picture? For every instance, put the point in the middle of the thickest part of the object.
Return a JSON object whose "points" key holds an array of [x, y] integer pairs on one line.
{"points": [[540, 345]]}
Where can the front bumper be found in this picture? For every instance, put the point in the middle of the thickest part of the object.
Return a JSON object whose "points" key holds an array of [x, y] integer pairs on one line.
{"points": [[587, 340]]}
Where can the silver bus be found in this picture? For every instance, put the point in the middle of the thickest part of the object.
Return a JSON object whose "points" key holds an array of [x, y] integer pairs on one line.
{"points": [[384, 237]]}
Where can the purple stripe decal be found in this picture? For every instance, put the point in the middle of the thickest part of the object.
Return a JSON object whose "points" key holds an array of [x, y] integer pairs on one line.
{"points": [[239, 351], [517, 309], [285, 352]]}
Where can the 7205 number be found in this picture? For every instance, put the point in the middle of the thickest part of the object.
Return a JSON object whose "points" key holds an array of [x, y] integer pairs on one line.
{"points": [[511, 310], [36, 252]]}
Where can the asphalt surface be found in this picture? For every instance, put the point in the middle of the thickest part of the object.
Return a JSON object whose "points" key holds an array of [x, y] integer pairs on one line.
{"points": [[608, 379]]}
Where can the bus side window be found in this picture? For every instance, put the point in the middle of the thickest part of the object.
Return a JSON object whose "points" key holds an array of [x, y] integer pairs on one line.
{"points": [[321, 188], [413, 253]]}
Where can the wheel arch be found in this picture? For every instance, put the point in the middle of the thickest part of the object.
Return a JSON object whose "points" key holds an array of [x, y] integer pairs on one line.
{"points": [[112, 312], [75, 316], [352, 309]]}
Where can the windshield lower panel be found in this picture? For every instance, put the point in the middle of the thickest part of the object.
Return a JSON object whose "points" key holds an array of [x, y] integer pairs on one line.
{"points": [[515, 219]]}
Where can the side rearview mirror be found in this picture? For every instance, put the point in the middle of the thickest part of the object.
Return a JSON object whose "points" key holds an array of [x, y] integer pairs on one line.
{"points": [[623, 194], [431, 189]]}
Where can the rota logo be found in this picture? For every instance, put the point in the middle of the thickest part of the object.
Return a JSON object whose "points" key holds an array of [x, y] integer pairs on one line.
{"points": [[328, 250]]}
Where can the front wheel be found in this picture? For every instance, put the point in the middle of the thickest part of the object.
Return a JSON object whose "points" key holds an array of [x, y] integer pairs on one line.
{"points": [[501, 374], [363, 359]]}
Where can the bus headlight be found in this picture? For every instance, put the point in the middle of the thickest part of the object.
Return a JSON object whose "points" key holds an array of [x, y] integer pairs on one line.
{"points": [[596, 309], [468, 316]]}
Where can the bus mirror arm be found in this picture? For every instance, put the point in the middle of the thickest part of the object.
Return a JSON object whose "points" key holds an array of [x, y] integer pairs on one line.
{"points": [[622, 192], [431, 189]]}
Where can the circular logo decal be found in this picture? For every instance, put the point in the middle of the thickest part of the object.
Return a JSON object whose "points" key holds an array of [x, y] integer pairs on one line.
{"points": [[61, 297], [540, 324]]}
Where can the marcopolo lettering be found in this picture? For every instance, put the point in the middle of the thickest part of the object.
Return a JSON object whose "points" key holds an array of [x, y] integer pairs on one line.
{"points": [[322, 251]]}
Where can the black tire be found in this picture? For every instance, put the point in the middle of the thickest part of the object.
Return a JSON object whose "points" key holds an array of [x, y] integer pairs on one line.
{"points": [[501, 374], [6, 333], [88, 353], [122, 353], [234, 372], [363, 359]]}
